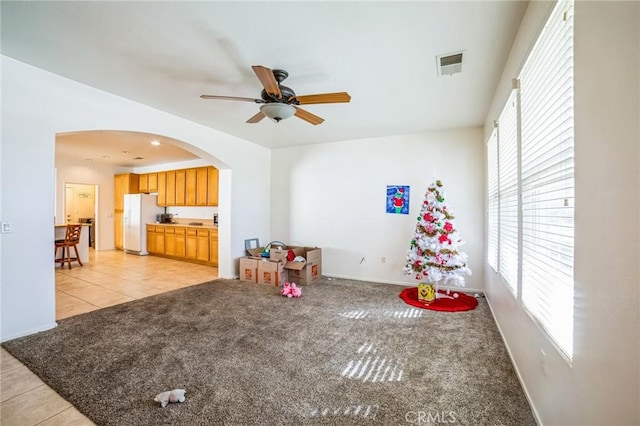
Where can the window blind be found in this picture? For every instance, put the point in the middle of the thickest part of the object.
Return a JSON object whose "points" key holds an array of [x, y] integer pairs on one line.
{"points": [[547, 155], [508, 192], [492, 200]]}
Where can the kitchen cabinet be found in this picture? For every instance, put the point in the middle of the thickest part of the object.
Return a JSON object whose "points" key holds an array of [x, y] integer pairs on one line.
{"points": [[202, 183], [180, 187], [213, 246], [202, 252], [156, 239], [195, 244], [212, 186], [181, 242], [171, 188], [170, 241], [191, 176], [153, 182], [162, 188], [127, 183], [144, 184], [174, 241], [192, 244]]}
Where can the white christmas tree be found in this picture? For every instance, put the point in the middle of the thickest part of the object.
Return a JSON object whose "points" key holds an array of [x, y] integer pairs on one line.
{"points": [[434, 253]]}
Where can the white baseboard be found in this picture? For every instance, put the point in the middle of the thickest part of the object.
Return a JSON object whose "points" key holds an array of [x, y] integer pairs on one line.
{"points": [[28, 332], [515, 366]]}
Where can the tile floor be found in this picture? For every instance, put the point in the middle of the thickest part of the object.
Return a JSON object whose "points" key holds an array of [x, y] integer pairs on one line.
{"points": [[110, 278]]}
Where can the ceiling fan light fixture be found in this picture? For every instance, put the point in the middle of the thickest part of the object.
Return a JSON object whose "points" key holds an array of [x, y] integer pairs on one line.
{"points": [[277, 111]]}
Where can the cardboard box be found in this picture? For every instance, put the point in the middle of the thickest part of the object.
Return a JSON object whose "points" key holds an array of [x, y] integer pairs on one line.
{"points": [[270, 272], [248, 269], [306, 272], [276, 253]]}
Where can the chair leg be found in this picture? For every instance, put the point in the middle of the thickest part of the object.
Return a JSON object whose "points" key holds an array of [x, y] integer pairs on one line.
{"points": [[75, 247], [68, 256]]}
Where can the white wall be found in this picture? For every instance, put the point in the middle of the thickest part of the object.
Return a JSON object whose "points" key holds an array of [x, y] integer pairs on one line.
{"points": [[602, 385], [333, 196], [36, 105]]}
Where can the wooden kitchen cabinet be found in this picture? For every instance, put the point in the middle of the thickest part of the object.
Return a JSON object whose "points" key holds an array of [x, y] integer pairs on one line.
{"points": [[144, 184], [191, 180], [162, 188], [191, 244], [212, 186], [181, 176], [127, 183], [118, 229], [171, 188], [156, 239], [202, 186], [153, 182], [202, 252], [181, 242], [170, 241], [213, 246]]}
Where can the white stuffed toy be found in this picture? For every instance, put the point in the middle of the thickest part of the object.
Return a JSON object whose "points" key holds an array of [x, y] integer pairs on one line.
{"points": [[176, 395]]}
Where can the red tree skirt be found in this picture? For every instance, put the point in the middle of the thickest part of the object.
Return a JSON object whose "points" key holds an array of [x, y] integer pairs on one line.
{"points": [[463, 302]]}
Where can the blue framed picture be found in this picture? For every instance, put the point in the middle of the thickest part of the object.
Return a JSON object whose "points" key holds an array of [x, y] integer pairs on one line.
{"points": [[398, 199]]}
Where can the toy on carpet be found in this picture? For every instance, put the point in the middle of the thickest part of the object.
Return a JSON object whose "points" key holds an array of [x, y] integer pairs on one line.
{"points": [[291, 290], [176, 395]]}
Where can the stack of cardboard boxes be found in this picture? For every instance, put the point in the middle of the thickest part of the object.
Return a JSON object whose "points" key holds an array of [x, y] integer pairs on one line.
{"points": [[276, 269]]}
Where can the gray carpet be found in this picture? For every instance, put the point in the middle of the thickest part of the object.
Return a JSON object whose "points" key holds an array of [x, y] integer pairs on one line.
{"points": [[347, 352]]}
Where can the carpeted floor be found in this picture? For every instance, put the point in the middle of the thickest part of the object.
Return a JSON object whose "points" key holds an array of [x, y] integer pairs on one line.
{"points": [[347, 352]]}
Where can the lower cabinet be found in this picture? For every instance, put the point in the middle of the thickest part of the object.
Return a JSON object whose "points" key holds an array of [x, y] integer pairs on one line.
{"points": [[199, 245]]}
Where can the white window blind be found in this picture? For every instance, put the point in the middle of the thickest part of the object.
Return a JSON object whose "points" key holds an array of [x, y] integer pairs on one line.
{"points": [[492, 200], [546, 96], [508, 192]]}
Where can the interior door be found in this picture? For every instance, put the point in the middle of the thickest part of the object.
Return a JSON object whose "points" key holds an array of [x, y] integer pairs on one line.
{"points": [[68, 203]]}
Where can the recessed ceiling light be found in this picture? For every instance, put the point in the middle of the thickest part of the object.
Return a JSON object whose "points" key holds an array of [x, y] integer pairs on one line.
{"points": [[126, 152], [138, 158], [155, 143]]}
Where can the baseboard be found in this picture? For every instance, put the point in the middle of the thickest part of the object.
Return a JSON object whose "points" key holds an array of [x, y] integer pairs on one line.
{"points": [[401, 283], [28, 332], [536, 416]]}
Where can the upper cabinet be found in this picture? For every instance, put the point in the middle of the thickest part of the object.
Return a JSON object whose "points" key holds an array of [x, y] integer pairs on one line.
{"points": [[212, 186], [184, 187], [149, 183]]}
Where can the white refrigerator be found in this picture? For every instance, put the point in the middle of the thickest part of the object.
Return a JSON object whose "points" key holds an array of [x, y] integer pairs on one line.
{"points": [[139, 209]]}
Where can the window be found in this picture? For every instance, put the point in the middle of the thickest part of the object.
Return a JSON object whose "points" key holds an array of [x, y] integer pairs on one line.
{"points": [[508, 192], [546, 93], [534, 226], [493, 203]]}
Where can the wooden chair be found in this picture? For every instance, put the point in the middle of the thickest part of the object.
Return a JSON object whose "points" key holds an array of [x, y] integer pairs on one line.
{"points": [[71, 239]]}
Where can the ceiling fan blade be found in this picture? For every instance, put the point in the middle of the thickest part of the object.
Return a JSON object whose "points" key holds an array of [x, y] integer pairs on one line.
{"points": [[308, 117], [323, 98], [268, 80], [232, 98], [259, 116]]}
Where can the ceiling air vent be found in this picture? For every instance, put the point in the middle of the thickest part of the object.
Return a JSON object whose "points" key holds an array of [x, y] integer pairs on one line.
{"points": [[449, 64]]}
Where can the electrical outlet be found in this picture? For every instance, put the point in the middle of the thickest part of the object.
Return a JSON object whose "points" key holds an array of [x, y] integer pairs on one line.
{"points": [[383, 259], [543, 362]]}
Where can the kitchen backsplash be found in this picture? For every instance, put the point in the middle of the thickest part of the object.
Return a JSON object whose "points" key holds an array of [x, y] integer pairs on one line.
{"points": [[205, 213]]}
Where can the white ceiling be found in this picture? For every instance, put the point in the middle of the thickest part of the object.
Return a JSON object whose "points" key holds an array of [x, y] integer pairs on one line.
{"points": [[166, 54]]}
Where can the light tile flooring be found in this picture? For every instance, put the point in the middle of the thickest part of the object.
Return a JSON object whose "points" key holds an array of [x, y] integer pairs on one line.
{"points": [[110, 278]]}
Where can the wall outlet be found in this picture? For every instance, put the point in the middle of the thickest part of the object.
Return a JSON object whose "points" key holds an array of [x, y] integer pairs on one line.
{"points": [[543, 362], [383, 259]]}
